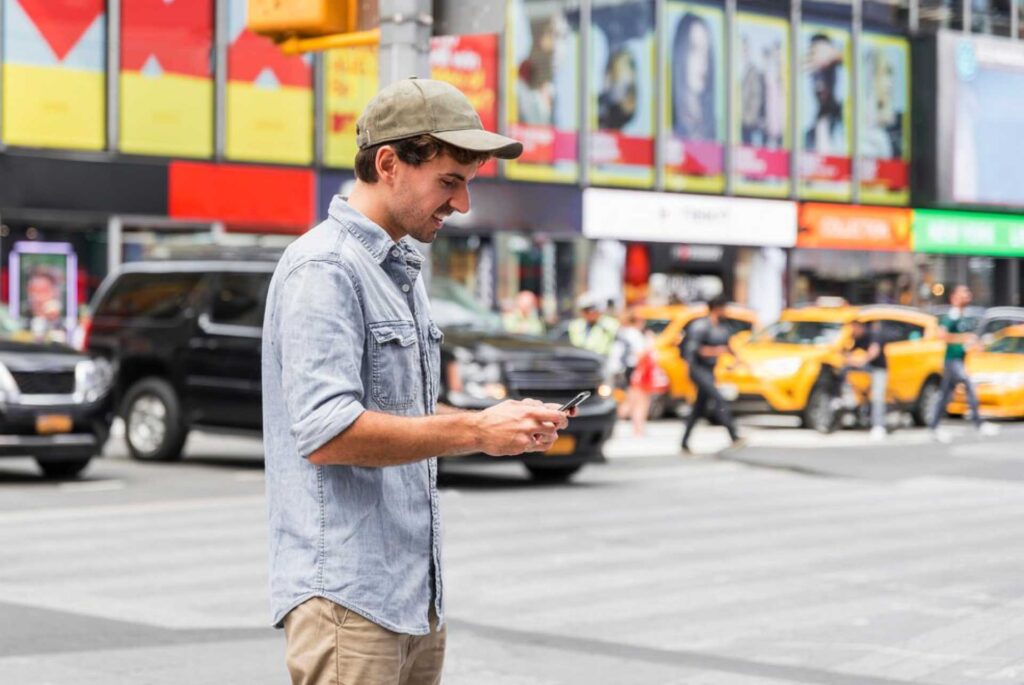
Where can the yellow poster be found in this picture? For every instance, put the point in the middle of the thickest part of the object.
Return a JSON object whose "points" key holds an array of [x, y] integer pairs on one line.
{"points": [[269, 99], [351, 82], [166, 84], [53, 74]]}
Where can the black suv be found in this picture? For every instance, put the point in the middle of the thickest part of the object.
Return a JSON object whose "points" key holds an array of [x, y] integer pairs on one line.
{"points": [[185, 339], [55, 402]]}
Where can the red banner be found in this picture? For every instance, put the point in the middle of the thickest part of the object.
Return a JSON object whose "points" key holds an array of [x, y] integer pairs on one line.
{"points": [[696, 157], [825, 168], [762, 164], [887, 174], [544, 144], [612, 147], [470, 63]]}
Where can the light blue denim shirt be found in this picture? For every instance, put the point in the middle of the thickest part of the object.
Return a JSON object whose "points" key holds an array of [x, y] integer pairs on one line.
{"points": [[348, 329]]}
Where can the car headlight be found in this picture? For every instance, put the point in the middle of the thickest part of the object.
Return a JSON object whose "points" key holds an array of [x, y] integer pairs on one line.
{"points": [[93, 378], [479, 380], [8, 388], [784, 366]]}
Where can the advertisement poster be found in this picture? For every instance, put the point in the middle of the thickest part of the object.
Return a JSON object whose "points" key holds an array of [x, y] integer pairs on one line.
{"points": [[622, 108], [470, 63], [884, 135], [351, 82], [849, 227], [269, 98], [761, 115], [43, 289], [166, 78], [542, 89], [824, 122], [53, 73], [695, 98], [974, 233]]}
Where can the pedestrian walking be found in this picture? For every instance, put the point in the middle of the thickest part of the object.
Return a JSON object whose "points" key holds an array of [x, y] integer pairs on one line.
{"points": [[641, 373], [956, 330], [869, 341], [351, 371], [706, 340]]}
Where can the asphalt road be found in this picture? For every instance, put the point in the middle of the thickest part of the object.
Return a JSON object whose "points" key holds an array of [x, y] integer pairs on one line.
{"points": [[798, 559]]}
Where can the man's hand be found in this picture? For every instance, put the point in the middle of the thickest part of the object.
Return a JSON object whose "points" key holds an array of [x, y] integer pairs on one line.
{"points": [[514, 427]]}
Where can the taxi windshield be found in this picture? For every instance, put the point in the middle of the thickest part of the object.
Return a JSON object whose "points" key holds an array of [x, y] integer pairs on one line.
{"points": [[1007, 345], [800, 332]]}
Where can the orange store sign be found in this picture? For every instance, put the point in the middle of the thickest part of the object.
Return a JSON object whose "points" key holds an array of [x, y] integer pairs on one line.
{"points": [[846, 227]]}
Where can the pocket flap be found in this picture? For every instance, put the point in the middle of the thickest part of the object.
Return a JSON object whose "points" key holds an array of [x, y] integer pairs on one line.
{"points": [[402, 332], [435, 332]]}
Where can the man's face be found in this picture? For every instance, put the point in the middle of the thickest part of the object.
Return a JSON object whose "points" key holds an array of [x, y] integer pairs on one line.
{"points": [[591, 315], [39, 291], [424, 196], [961, 296]]}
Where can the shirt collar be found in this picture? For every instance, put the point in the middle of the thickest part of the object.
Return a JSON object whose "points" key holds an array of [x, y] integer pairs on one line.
{"points": [[374, 238]]}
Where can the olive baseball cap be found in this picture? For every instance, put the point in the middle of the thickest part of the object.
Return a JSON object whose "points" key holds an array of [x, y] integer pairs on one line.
{"points": [[413, 107]]}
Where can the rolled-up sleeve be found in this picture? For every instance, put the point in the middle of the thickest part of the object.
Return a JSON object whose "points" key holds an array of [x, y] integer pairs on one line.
{"points": [[321, 333]]}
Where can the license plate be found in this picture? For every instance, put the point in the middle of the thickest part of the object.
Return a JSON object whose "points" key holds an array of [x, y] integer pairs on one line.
{"points": [[729, 392], [48, 424], [564, 444]]}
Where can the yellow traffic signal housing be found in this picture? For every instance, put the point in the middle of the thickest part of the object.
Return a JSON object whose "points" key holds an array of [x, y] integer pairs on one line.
{"points": [[282, 19]]}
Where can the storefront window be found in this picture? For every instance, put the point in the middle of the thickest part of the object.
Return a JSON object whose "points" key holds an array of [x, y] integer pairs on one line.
{"points": [[991, 17], [859, 277], [886, 14], [940, 14], [467, 261]]}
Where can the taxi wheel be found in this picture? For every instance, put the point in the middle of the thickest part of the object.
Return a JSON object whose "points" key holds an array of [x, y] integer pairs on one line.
{"points": [[152, 421], [819, 413], [927, 401]]}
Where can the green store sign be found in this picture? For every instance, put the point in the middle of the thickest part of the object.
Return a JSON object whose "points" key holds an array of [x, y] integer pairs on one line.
{"points": [[999, 235]]}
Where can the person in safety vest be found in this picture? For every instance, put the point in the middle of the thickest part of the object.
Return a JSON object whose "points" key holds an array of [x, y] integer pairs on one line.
{"points": [[593, 330]]}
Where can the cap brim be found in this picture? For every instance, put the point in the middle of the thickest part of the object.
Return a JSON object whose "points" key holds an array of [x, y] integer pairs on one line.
{"points": [[479, 140]]}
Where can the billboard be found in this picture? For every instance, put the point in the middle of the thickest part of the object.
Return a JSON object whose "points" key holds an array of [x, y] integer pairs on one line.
{"points": [[166, 77], [853, 227], [760, 122], [884, 126], [694, 98], [470, 63], [824, 113], [968, 233], [542, 83], [54, 56], [621, 74], [269, 98], [44, 289]]}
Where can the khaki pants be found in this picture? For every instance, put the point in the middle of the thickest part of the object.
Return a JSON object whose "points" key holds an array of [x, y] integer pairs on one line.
{"points": [[328, 644]]}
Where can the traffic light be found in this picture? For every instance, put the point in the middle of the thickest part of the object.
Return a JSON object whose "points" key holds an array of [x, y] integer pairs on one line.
{"points": [[282, 19]]}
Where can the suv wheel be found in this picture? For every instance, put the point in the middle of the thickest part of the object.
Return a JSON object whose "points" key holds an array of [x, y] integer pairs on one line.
{"points": [[553, 474], [927, 402], [65, 468], [819, 413], [153, 427]]}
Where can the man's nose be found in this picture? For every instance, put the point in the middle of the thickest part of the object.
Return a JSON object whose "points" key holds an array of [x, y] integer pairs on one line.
{"points": [[460, 200]]}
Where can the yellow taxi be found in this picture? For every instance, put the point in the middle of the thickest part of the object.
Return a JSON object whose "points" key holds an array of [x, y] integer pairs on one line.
{"points": [[997, 371], [792, 366], [669, 323]]}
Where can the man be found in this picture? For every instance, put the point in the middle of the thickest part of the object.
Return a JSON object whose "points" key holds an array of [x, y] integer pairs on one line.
{"points": [[524, 318], [706, 340], [592, 330], [869, 341], [956, 330], [826, 135], [44, 315], [351, 370]]}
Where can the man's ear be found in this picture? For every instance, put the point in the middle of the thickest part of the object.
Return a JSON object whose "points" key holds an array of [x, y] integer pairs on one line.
{"points": [[386, 163]]}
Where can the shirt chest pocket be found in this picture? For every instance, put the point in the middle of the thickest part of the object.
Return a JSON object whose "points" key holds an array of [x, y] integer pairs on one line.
{"points": [[395, 373]]}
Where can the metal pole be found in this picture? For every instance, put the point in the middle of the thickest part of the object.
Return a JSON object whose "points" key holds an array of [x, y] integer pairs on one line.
{"points": [[965, 14], [914, 16], [1015, 7], [405, 27], [220, 78], [583, 70], [854, 96], [113, 72], [319, 99], [730, 104], [662, 72]]}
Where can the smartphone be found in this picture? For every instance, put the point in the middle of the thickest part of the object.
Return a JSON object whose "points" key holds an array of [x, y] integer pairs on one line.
{"points": [[575, 402]]}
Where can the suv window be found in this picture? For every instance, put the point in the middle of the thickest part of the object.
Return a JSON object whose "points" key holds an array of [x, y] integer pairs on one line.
{"points": [[149, 296], [996, 325], [240, 299], [899, 331], [737, 325]]}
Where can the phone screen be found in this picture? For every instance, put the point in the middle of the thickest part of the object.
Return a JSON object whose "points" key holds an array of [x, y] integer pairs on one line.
{"points": [[574, 402]]}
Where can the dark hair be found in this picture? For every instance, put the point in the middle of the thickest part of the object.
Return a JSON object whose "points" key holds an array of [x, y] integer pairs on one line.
{"points": [[414, 151], [717, 302], [680, 45]]}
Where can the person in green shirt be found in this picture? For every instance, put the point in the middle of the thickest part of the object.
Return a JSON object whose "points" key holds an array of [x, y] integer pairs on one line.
{"points": [[525, 315], [593, 330], [958, 333]]}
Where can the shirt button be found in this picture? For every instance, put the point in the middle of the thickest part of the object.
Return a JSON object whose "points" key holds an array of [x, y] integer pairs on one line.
{"points": [[394, 253], [405, 288]]}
